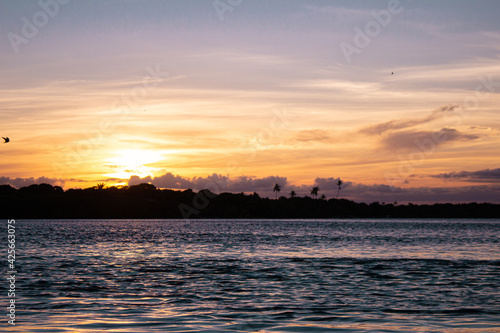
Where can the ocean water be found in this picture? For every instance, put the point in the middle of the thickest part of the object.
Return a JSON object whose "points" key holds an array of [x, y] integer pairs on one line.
{"points": [[256, 276]]}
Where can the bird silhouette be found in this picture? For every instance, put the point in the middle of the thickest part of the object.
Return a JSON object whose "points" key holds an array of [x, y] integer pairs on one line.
{"points": [[392, 73], [6, 139]]}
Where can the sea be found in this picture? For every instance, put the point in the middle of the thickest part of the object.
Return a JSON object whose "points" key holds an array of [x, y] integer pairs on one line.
{"points": [[380, 275]]}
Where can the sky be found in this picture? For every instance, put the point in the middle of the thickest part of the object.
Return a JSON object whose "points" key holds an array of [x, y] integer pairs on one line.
{"points": [[398, 99]]}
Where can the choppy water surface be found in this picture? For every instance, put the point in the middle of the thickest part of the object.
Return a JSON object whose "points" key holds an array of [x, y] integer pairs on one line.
{"points": [[258, 276]]}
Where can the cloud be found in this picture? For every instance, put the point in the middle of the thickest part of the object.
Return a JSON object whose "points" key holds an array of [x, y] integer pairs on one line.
{"points": [[76, 180], [412, 140], [486, 175], [165, 181], [23, 182], [214, 182], [327, 184], [241, 184], [379, 129], [385, 193], [314, 135]]}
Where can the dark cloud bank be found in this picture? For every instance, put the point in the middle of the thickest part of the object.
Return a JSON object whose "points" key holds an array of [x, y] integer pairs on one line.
{"points": [[487, 175], [22, 182], [487, 192], [328, 186]]}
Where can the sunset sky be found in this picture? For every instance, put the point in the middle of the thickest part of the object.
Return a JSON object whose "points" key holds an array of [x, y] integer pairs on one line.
{"points": [[236, 95]]}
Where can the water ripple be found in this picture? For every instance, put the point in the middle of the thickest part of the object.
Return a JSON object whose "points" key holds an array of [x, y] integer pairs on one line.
{"points": [[259, 276]]}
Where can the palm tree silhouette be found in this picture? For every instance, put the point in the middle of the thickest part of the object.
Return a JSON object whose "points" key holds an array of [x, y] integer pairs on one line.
{"points": [[100, 186], [277, 189], [314, 191], [339, 184], [293, 194]]}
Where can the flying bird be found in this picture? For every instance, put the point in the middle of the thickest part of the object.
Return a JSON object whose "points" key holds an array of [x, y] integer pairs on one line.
{"points": [[6, 139], [392, 73]]}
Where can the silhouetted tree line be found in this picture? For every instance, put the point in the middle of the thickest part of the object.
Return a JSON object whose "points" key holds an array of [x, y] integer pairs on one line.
{"points": [[146, 201]]}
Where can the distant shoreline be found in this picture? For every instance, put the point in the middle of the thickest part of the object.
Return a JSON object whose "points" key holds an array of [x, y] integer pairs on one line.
{"points": [[144, 201]]}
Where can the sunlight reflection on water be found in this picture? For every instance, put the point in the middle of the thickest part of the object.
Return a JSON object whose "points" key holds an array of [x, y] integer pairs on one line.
{"points": [[259, 276]]}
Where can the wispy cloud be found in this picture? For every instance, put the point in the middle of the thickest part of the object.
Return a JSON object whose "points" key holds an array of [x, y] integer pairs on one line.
{"points": [[313, 135], [406, 123], [412, 140], [486, 175]]}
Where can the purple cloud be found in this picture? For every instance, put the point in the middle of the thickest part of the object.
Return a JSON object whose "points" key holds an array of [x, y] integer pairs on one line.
{"points": [[23, 182], [214, 182], [316, 135], [379, 129], [486, 175], [412, 140], [328, 186]]}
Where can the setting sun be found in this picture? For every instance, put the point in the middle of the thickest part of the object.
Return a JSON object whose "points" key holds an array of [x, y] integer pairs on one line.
{"points": [[128, 162]]}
